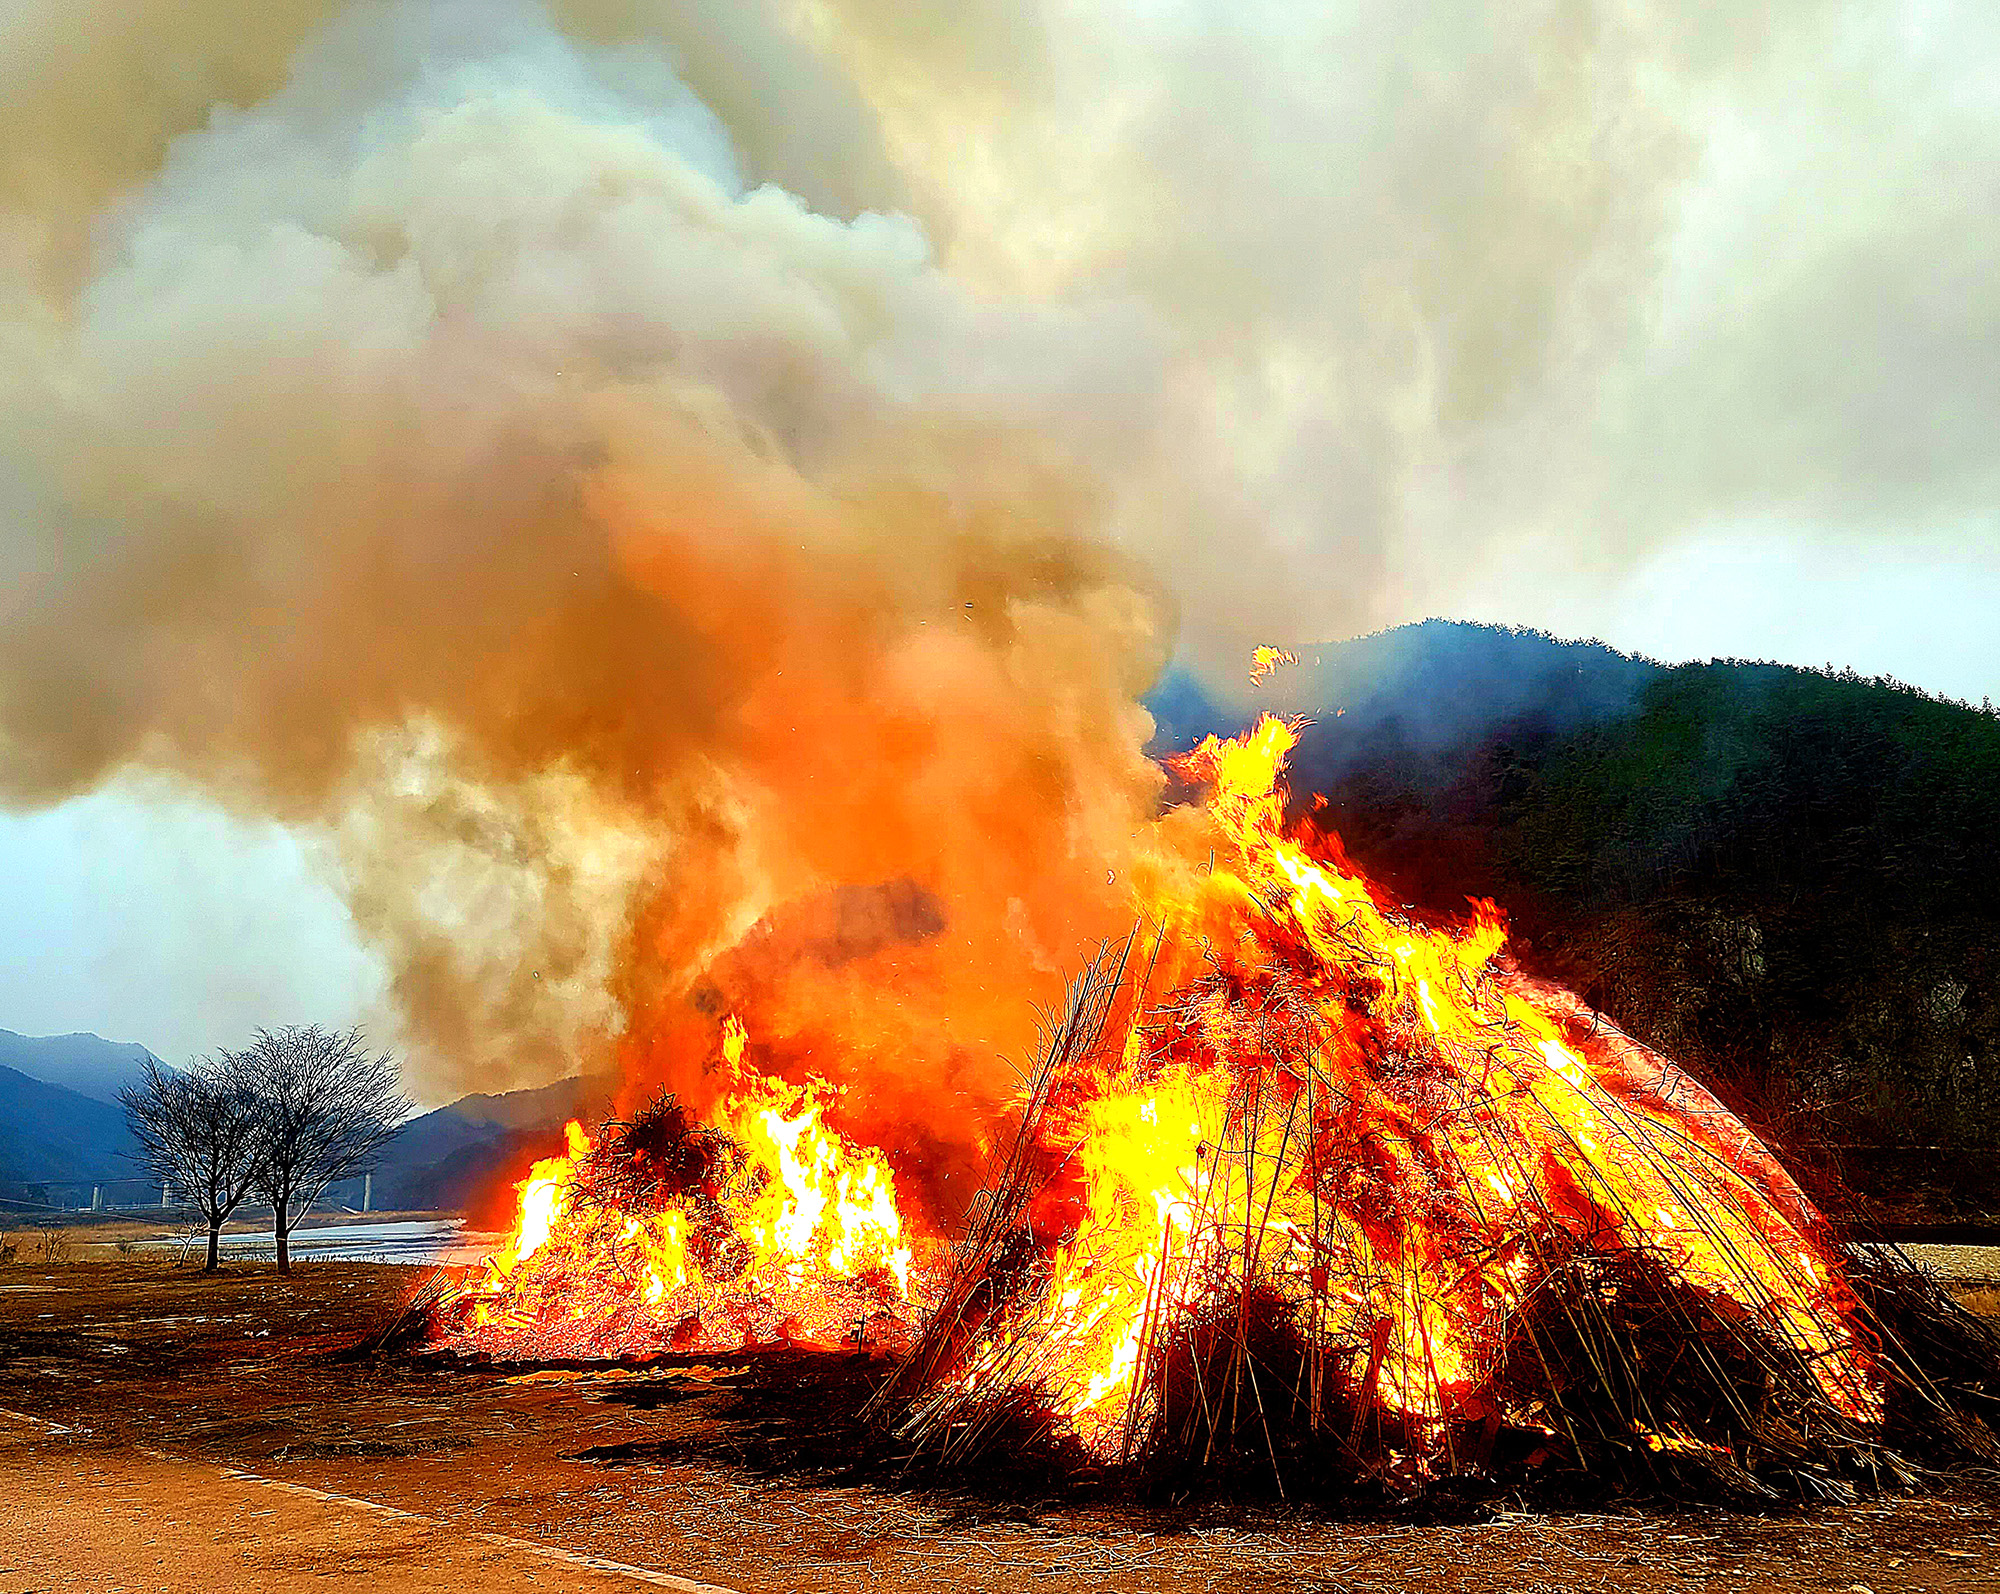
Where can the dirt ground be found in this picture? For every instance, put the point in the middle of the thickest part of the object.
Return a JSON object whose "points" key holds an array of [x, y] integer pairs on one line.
{"points": [[165, 1430]]}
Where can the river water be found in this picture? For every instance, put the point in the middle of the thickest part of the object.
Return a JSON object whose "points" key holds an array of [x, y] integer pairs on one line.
{"points": [[426, 1243]]}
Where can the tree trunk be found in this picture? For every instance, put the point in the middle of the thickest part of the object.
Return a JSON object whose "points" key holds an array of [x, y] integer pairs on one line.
{"points": [[214, 1245], [281, 1227]]}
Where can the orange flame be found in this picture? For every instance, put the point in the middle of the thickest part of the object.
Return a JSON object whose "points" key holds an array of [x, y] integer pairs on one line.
{"points": [[1377, 1121], [544, 1200]]}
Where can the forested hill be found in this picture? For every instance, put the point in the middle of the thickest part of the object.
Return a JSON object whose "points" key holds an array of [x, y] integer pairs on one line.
{"points": [[1788, 879]]}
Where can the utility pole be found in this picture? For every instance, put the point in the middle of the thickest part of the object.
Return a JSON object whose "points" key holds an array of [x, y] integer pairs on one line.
{"points": [[367, 1189]]}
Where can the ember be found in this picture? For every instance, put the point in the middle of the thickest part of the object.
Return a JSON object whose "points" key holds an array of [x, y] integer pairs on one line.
{"points": [[767, 1227], [1264, 660]]}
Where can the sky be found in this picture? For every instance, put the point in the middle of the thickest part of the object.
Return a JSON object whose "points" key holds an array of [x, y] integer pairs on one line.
{"points": [[352, 359], [149, 916], [1919, 616]]}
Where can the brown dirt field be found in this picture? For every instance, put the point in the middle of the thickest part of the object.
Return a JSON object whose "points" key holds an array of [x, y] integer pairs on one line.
{"points": [[89, 1518], [207, 1440]]}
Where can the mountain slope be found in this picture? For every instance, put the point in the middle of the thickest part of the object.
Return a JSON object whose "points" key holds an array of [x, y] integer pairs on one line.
{"points": [[462, 1153], [49, 1133], [1416, 696]]}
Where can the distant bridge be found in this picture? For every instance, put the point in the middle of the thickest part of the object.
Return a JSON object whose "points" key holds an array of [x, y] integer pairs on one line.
{"points": [[150, 1195]]}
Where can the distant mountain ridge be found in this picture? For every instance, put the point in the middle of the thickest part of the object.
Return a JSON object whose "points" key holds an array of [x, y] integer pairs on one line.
{"points": [[1417, 696], [61, 1123], [87, 1064], [468, 1154]]}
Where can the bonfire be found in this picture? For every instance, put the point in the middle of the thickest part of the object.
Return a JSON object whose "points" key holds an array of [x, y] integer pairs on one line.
{"points": [[1307, 1182], [763, 1227]]}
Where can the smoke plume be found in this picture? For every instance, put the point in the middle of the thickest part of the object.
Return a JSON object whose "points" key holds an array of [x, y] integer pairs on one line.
{"points": [[687, 498], [1477, 301], [459, 448]]}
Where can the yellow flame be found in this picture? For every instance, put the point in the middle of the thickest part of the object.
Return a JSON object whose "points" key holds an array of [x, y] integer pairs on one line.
{"points": [[1168, 1220], [810, 1212], [828, 1207]]}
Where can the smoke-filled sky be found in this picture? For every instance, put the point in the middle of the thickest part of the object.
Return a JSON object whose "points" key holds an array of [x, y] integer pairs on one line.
{"points": [[496, 500]]}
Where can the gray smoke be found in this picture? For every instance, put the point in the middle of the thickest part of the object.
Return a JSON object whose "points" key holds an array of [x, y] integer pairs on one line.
{"points": [[1477, 297]]}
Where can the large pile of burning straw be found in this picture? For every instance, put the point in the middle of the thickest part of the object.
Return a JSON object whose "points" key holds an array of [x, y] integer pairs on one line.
{"points": [[1303, 1187]]}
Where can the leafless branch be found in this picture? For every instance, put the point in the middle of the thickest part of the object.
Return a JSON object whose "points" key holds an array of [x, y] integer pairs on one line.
{"points": [[202, 1129], [328, 1106]]}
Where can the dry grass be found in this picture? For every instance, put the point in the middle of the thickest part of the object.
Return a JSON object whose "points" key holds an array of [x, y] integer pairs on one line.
{"points": [[1982, 1300], [38, 1247]]}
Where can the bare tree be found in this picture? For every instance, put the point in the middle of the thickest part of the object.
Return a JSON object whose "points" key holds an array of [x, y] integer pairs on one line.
{"points": [[328, 1107], [201, 1128]]}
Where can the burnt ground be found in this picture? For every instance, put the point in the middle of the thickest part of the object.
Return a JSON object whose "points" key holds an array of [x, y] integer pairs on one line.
{"points": [[169, 1430]]}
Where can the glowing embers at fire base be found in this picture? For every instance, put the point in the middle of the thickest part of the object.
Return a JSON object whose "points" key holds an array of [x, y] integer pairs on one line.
{"points": [[766, 1227], [1298, 1164]]}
